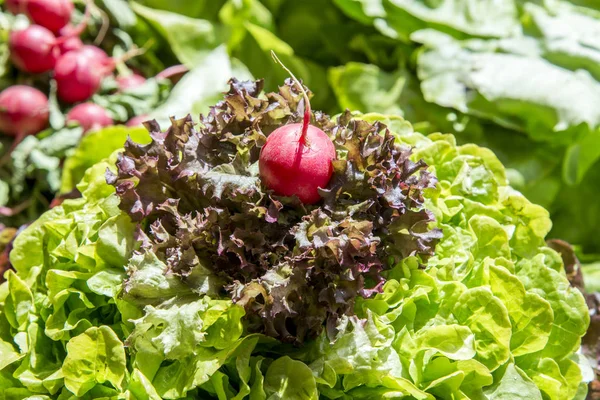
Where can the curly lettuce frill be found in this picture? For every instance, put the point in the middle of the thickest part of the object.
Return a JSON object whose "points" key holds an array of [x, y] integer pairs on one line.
{"points": [[200, 206]]}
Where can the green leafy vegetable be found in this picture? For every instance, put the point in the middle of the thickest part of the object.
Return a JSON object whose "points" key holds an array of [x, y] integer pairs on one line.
{"points": [[290, 379], [93, 148], [94, 357]]}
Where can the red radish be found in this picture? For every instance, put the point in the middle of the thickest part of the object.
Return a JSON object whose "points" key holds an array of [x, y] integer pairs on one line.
{"points": [[23, 111], [138, 120], [33, 49], [79, 73], [100, 57], [297, 158], [131, 81], [78, 76], [69, 39], [89, 116], [51, 14], [96, 54]]}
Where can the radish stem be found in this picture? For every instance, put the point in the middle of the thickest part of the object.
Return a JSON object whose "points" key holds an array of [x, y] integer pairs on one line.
{"points": [[306, 120]]}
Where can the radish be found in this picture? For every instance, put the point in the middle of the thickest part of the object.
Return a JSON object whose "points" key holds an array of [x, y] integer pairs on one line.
{"points": [[89, 116], [78, 76], [69, 39], [23, 111], [297, 158], [51, 14], [33, 49], [79, 73], [138, 120], [96, 54], [131, 81]]}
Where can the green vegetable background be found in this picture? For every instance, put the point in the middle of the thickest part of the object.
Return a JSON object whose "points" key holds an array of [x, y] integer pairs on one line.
{"points": [[501, 100]]}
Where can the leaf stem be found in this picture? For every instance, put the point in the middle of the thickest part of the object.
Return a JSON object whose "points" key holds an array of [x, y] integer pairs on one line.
{"points": [[171, 71], [80, 27]]}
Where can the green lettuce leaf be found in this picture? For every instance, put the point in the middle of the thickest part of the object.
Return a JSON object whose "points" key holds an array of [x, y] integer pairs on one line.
{"points": [[94, 357], [95, 147], [290, 379]]}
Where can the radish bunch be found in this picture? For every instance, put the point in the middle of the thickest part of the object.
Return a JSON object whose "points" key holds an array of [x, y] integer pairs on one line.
{"points": [[64, 86], [52, 44], [37, 48]]}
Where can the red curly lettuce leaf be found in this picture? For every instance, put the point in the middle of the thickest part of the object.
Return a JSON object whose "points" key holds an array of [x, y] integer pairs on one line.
{"points": [[199, 203]]}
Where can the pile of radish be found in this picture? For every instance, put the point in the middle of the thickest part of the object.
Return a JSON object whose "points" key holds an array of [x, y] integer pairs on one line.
{"points": [[52, 45]]}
